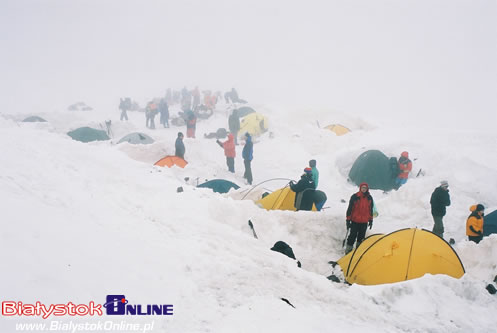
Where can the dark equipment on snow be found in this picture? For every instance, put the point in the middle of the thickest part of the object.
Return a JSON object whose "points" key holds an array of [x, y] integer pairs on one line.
{"points": [[491, 289], [333, 278], [288, 302], [284, 248], [253, 230]]}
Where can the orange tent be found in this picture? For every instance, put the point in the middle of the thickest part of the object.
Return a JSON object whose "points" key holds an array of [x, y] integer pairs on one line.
{"points": [[170, 160]]}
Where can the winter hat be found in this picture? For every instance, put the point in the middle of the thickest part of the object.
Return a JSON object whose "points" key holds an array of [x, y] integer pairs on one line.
{"points": [[312, 163], [480, 208], [180, 134], [308, 170], [444, 183], [405, 154], [364, 184]]}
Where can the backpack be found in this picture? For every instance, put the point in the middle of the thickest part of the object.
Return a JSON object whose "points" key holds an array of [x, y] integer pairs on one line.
{"points": [[394, 167], [284, 248]]}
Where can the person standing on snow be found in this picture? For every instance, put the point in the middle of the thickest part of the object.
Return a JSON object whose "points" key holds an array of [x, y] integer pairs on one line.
{"points": [[191, 124], [164, 112], [150, 112], [124, 106], [196, 98], [474, 223], [359, 216], [234, 124], [247, 154], [315, 173], [405, 166], [440, 199], [304, 191], [180, 146], [229, 151]]}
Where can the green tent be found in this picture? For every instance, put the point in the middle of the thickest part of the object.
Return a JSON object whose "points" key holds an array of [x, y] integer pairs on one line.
{"points": [[220, 185], [137, 138], [87, 134], [34, 119], [244, 110], [373, 167]]}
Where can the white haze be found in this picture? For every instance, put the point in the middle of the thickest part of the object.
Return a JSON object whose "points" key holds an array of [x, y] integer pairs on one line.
{"points": [[428, 61]]}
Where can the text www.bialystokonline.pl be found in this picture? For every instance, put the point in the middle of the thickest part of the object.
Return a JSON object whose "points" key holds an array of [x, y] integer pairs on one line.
{"points": [[70, 326]]}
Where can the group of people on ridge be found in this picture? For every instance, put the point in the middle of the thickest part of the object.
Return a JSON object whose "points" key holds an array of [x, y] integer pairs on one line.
{"points": [[247, 154], [440, 200], [360, 210]]}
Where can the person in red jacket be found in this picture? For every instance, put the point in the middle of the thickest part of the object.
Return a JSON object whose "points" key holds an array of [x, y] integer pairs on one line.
{"points": [[229, 151], [359, 215], [405, 166]]}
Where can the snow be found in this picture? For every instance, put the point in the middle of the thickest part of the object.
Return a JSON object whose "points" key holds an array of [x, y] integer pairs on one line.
{"points": [[81, 221]]}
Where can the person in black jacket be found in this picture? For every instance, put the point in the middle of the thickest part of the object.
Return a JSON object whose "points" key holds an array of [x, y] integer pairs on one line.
{"points": [[304, 191], [180, 146], [164, 113], [234, 124], [440, 199]]}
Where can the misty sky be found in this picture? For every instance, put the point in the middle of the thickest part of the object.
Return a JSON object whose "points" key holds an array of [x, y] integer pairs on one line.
{"points": [[400, 56]]}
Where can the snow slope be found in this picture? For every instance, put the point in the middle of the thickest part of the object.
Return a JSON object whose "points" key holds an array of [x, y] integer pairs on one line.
{"points": [[81, 221]]}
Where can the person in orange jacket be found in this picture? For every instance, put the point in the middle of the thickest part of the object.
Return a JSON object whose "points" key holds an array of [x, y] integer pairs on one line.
{"points": [[405, 166], [474, 223], [191, 124], [229, 151]]}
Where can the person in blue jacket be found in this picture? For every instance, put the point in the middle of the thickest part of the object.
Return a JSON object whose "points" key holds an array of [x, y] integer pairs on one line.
{"points": [[247, 154], [315, 173]]}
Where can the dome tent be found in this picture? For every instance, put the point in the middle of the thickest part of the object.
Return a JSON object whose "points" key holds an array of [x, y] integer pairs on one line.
{"points": [[171, 160], [401, 255], [244, 110], [137, 138], [255, 124], [219, 185], [282, 199], [338, 129], [34, 119], [87, 134], [375, 168], [490, 224]]}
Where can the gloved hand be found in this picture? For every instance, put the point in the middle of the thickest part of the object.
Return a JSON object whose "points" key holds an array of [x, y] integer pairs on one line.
{"points": [[370, 223], [347, 222]]}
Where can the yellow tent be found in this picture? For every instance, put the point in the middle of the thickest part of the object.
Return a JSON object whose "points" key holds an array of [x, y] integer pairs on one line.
{"points": [[253, 123], [401, 255], [338, 129], [282, 199]]}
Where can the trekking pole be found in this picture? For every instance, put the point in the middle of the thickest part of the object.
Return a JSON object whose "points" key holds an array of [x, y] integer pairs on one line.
{"points": [[346, 234]]}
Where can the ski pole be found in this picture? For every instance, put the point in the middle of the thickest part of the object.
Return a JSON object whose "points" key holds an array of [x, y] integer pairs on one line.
{"points": [[346, 234], [253, 230]]}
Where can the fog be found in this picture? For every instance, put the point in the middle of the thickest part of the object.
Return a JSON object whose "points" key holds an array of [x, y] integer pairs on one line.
{"points": [[422, 60]]}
